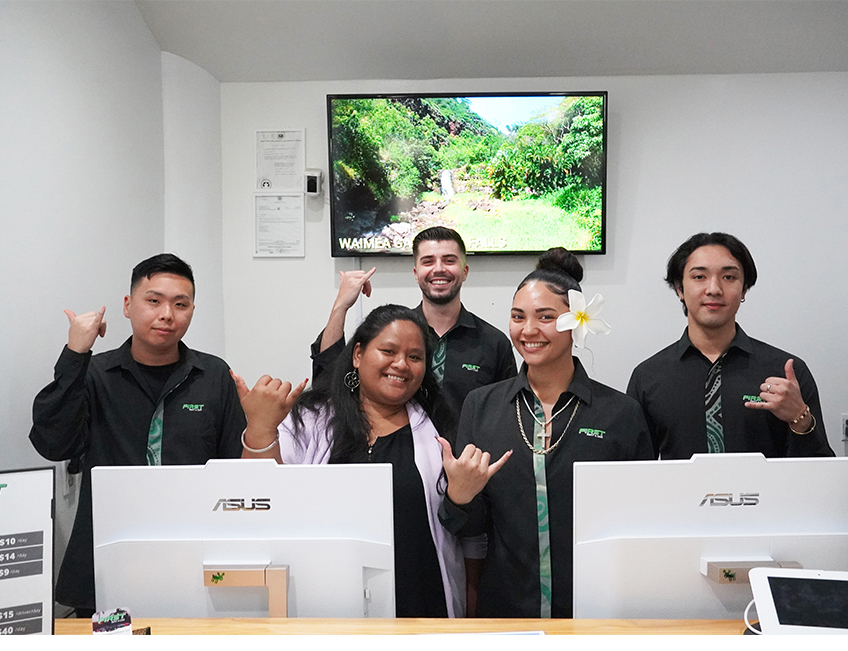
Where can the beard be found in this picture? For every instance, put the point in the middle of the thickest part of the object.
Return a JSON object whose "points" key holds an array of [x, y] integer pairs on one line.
{"points": [[441, 299]]}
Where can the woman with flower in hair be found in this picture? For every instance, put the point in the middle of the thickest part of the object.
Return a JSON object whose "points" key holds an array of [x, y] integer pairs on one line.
{"points": [[537, 425]]}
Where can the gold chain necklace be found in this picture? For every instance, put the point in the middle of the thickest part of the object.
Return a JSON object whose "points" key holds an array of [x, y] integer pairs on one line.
{"points": [[524, 435]]}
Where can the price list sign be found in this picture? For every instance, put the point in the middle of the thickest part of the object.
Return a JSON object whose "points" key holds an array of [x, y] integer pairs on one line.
{"points": [[26, 551]]}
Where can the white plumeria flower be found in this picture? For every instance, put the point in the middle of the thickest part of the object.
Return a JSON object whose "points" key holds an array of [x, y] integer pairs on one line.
{"points": [[582, 317]]}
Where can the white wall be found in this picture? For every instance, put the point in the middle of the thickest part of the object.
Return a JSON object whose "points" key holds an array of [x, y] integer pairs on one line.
{"points": [[81, 188], [760, 156], [82, 183], [191, 100], [83, 193]]}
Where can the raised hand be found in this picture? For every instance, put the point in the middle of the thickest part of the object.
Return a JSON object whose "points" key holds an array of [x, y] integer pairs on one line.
{"points": [[470, 473], [782, 396], [351, 285], [85, 328], [265, 406]]}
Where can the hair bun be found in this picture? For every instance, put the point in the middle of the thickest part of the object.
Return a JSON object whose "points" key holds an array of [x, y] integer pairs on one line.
{"points": [[560, 260]]}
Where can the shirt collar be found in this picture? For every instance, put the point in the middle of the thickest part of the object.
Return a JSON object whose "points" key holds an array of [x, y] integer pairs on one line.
{"points": [[581, 385], [740, 341], [464, 320], [124, 358]]}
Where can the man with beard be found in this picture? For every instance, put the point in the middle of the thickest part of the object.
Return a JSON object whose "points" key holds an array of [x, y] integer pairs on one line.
{"points": [[469, 352]]}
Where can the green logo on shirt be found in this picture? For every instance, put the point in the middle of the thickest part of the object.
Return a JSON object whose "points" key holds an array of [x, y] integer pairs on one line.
{"points": [[471, 367], [2, 486], [193, 407], [751, 399], [596, 433]]}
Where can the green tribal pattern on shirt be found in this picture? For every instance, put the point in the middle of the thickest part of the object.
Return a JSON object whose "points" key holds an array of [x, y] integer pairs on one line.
{"points": [[712, 404], [545, 581], [439, 356], [154, 436]]}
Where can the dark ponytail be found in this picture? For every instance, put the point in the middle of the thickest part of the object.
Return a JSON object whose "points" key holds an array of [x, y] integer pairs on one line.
{"points": [[559, 269]]}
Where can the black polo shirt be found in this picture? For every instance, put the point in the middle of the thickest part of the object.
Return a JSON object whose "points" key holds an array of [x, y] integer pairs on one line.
{"points": [[670, 388], [477, 354], [607, 426], [100, 406]]}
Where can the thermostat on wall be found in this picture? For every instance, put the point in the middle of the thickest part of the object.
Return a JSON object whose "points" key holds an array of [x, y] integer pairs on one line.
{"points": [[312, 182]]}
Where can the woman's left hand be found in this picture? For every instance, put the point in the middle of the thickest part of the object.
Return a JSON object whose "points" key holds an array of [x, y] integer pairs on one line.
{"points": [[470, 473], [265, 406]]}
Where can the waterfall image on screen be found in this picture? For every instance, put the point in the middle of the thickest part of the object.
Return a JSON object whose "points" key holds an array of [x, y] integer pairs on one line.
{"points": [[512, 173]]}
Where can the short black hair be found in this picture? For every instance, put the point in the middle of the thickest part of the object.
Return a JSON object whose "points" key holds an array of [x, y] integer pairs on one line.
{"points": [[677, 262], [163, 263], [437, 234]]}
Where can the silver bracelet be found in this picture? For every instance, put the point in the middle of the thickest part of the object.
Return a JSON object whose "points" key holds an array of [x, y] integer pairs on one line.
{"points": [[260, 450]]}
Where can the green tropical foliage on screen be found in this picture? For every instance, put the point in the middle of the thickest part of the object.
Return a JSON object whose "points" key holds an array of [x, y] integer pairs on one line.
{"points": [[564, 152], [389, 152]]}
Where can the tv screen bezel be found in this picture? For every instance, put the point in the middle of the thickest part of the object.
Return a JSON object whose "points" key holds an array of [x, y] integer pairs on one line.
{"points": [[338, 252]]}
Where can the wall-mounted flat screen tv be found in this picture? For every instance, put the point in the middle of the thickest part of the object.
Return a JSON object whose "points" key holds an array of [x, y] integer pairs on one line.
{"points": [[513, 173]]}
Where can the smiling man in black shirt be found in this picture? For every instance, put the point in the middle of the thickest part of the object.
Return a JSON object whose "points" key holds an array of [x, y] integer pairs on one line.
{"points": [[152, 401], [469, 353], [716, 389]]}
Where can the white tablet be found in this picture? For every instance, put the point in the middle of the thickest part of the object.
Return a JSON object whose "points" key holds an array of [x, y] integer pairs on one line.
{"points": [[800, 602]]}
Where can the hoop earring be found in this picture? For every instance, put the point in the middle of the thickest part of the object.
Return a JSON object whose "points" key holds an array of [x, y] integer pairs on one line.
{"points": [[351, 380]]}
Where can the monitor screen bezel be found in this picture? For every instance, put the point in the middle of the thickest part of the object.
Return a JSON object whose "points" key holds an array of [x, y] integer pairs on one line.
{"points": [[338, 252]]}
